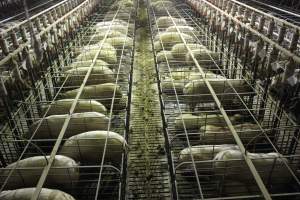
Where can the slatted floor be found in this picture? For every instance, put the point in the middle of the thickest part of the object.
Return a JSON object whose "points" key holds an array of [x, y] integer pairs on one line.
{"points": [[148, 174]]}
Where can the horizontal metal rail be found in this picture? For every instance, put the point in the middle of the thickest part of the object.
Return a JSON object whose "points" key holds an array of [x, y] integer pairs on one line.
{"points": [[66, 123], [22, 13], [76, 10], [226, 118], [264, 22], [44, 31], [277, 8], [175, 101], [250, 8], [32, 18], [199, 5]]}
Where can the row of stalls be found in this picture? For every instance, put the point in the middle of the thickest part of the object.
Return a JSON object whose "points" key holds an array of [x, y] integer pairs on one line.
{"points": [[221, 106], [69, 134], [225, 78]]}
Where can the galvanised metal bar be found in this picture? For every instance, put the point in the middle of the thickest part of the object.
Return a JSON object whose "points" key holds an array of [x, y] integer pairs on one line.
{"points": [[123, 58], [235, 91], [44, 31], [32, 18], [177, 102], [86, 3], [66, 123], [227, 120], [244, 103], [201, 4], [124, 170], [22, 13], [111, 115], [21, 28]]}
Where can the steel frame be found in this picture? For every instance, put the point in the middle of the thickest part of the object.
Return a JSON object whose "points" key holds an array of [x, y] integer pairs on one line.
{"points": [[104, 171], [170, 111]]}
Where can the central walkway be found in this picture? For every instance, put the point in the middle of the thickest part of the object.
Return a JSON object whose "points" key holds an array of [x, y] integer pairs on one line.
{"points": [[148, 174]]}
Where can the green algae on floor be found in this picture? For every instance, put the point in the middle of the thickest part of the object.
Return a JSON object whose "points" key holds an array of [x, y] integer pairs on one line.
{"points": [[148, 176]]}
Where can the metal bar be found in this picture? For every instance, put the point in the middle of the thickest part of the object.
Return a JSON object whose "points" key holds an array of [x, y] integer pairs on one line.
{"points": [[127, 125], [277, 8], [110, 113], [22, 46], [269, 15], [66, 123], [35, 16], [15, 16], [26, 146], [167, 139], [277, 118], [255, 32], [177, 102], [228, 122]]}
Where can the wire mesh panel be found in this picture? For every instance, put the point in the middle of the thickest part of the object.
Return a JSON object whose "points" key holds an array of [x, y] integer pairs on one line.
{"points": [[70, 133], [265, 44], [228, 98], [229, 138], [28, 48]]}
